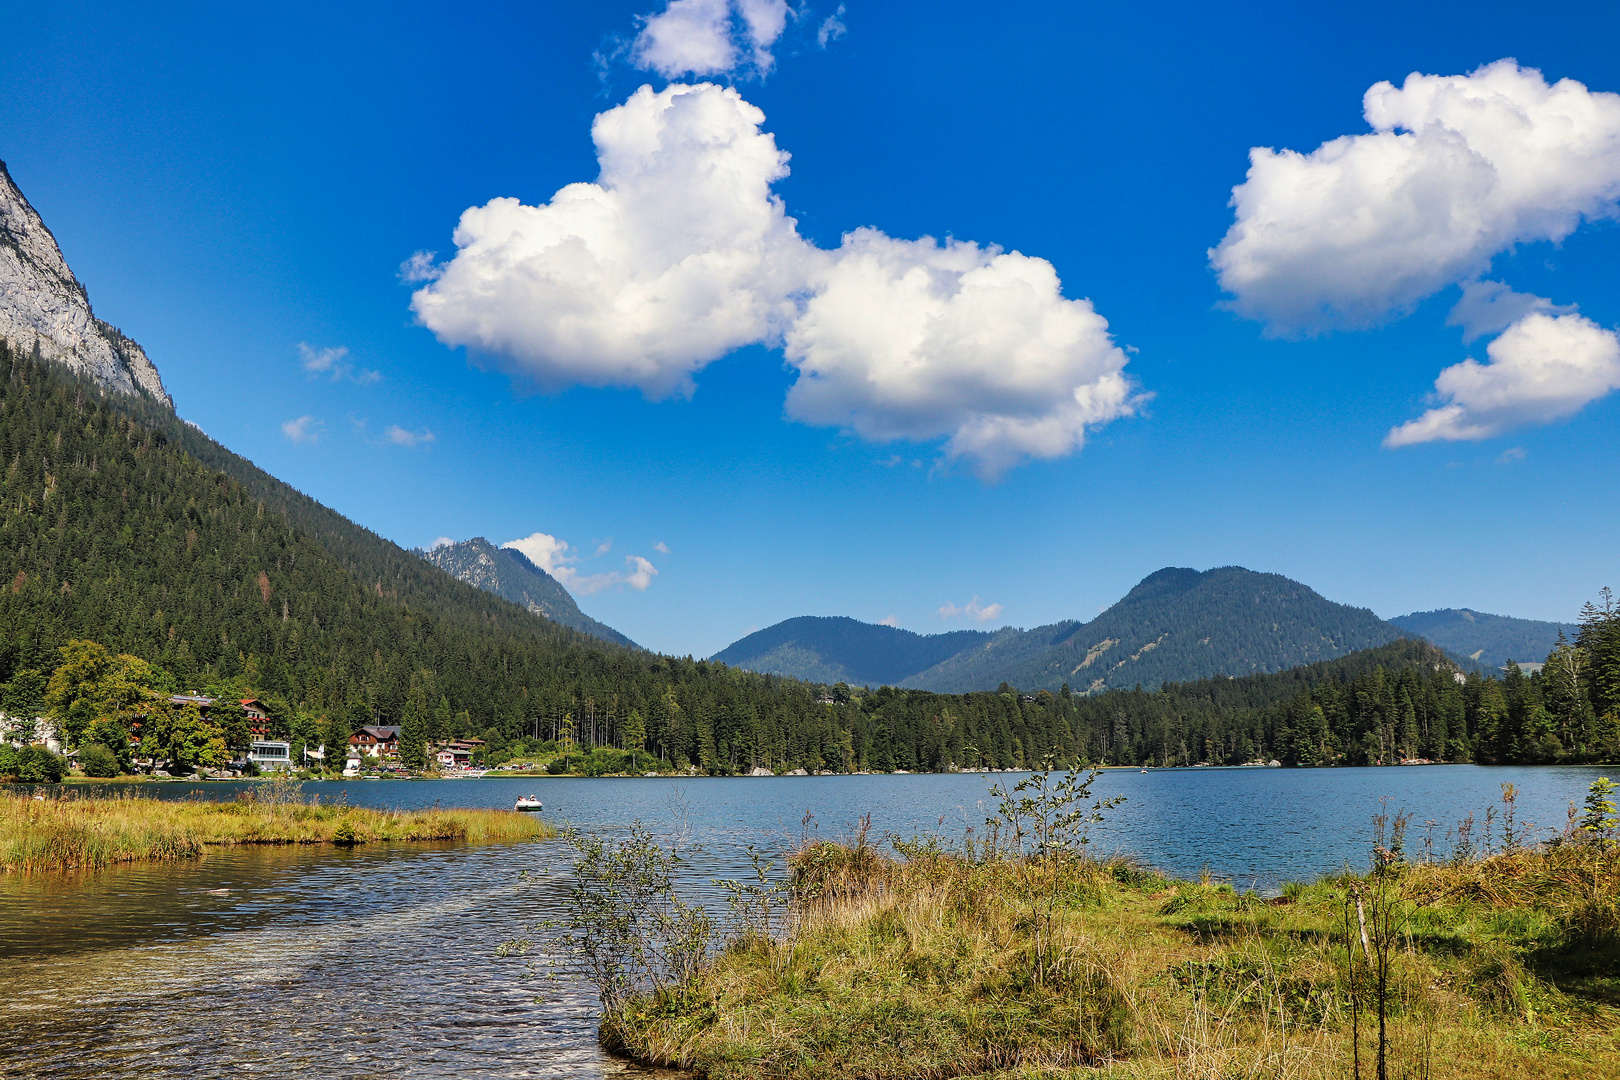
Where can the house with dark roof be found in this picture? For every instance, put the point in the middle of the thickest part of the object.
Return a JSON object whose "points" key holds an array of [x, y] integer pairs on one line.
{"points": [[376, 741]]}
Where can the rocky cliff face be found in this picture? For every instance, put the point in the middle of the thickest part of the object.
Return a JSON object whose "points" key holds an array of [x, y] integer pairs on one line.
{"points": [[42, 304], [506, 572]]}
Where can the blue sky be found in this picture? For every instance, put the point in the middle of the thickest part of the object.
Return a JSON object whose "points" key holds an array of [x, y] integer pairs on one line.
{"points": [[232, 184]]}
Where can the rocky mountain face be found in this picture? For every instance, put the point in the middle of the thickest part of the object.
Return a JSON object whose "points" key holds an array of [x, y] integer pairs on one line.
{"points": [[43, 306], [510, 574]]}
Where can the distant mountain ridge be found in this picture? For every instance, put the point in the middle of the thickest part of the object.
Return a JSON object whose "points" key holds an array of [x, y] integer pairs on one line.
{"points": [[1488, 640], [839, 649], [1176, 625], [509, 573]]}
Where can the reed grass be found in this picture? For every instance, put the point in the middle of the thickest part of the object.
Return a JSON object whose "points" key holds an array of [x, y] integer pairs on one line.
{"points": [[930, 967], [65, 831]]}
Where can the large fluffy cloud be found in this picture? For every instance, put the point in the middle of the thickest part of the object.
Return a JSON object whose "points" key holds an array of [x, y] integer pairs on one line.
{"points": [[1456, 170], [680, 253], [916, 340], [709, 37], [1542, 368]]}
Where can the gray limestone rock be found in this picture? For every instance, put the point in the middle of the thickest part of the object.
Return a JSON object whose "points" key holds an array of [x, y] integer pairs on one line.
{"points": [[43, 305]]}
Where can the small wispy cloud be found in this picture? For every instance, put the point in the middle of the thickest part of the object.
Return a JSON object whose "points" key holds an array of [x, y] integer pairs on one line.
{"points": [[1510, 455], [971, 610], [420, 267], [832, 28], [304, 429], [640, 573], [401, 437], [557, 558], [887, 620], [710, 37], [604, 546], [443, 541], [661, 547], [333, 362]]}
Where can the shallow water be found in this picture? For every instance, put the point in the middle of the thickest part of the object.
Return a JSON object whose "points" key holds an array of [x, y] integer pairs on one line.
{"points": [[379, 961]]}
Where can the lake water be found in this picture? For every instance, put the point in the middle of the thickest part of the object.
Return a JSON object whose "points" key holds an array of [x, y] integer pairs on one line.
{"points": [[379, 961]]}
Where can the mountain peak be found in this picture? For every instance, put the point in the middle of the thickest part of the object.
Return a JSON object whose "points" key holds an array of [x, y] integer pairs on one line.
{"points": [[508, 573], [836, 648], [44, 307]]}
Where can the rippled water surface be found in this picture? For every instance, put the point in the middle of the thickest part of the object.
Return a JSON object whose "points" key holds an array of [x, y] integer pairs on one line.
{"points": [[380, 960]]}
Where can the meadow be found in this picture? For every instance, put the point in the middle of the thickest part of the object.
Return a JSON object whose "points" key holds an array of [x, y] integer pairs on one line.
{"points": [[67, 830], [915, 959]]}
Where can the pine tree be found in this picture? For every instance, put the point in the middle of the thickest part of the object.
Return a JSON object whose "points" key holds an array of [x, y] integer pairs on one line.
{"points": [[413, 726]]}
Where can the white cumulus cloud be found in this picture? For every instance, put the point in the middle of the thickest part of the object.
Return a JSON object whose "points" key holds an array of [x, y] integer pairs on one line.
{"points": [[710, 37], [920, 340], [304, 429], [971, 610], [680, 253], [889, 620], [556, 558], [1456, 170], [1542, 368], [677, 255]]}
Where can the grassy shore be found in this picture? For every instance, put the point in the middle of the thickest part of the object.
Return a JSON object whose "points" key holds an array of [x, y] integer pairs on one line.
{"points": [[944, 966], [88, 833]]}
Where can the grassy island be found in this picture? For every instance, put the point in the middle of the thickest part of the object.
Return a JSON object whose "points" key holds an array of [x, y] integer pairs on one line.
{"points": [[59, 833]]}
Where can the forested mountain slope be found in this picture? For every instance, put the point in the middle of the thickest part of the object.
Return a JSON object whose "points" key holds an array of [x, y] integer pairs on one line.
{"points": [[123, 529], [509, 573], [1176, 625], [1488, 640], [835, 650], [122, 524]]}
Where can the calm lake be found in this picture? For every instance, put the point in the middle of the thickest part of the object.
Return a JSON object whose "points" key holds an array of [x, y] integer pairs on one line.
{"points": [[379, 961]]}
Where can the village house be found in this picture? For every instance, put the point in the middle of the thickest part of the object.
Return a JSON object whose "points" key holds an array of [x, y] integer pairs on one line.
{"points": [[457, 754], [258, 713], [270, 754], [374, 741]]}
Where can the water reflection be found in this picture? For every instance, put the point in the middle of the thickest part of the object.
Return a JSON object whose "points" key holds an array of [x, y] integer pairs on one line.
{"points": [[375, 962]]}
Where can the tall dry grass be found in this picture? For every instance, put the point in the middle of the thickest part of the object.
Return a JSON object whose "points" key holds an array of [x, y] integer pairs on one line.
{"points": [[932, 966], [68, 831]]}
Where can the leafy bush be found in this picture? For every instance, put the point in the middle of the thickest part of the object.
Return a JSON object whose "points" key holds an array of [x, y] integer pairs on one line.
{"points": [[98, 760], [33, 765]]}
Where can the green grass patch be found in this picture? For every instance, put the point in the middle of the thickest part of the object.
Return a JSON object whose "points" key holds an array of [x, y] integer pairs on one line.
{"points": [[62, 831], [945, 966]]}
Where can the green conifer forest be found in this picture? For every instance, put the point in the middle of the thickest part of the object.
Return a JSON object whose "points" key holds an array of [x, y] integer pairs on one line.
{"points": [[192, 570]]}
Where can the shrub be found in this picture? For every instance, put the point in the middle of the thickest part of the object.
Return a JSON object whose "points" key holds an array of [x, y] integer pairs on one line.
{"points": [[37, 765], [98, 760]]}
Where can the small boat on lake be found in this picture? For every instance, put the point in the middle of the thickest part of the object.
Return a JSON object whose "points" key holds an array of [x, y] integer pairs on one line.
{"points": [[528, 803]]}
